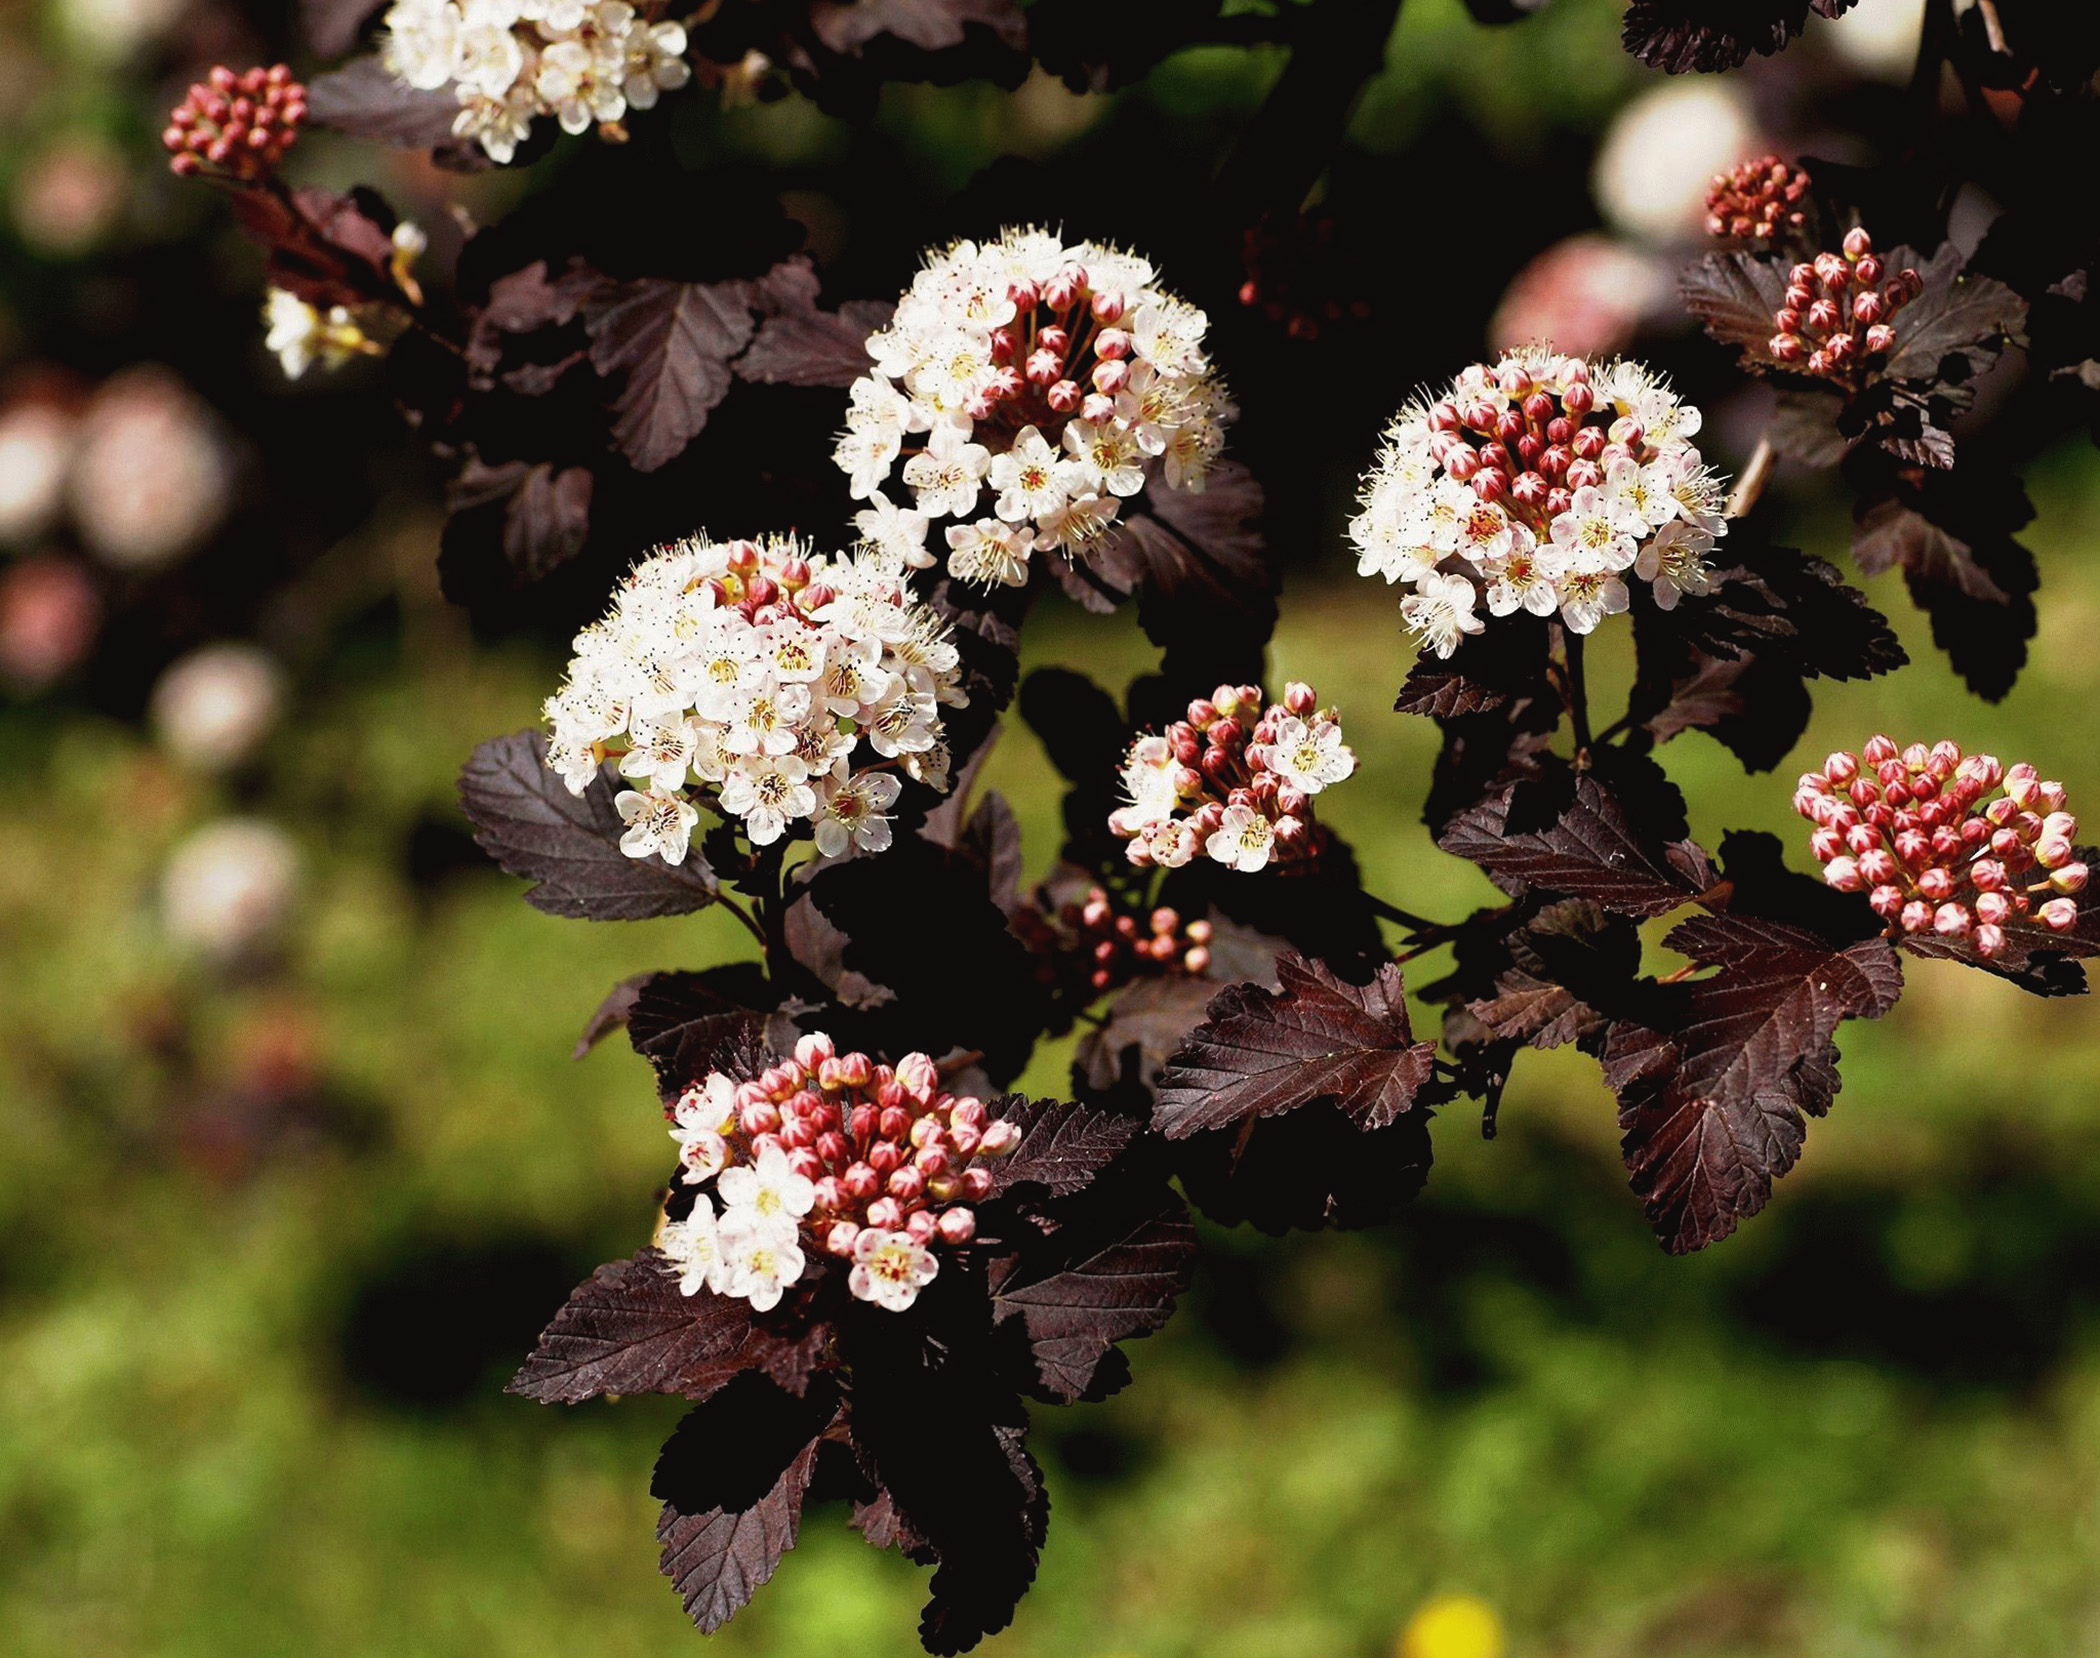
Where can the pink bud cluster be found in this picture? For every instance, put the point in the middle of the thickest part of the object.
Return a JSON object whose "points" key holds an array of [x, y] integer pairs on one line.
{"points": [[243, 123], [1112, 946], [1839, 309], [886, 1148], [1296, 276], [1233, 780], [1755, 201], [1925, 834]]}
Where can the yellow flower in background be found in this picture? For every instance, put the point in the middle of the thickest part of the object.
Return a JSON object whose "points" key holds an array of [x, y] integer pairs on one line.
{"points": [[1452, 1626]]}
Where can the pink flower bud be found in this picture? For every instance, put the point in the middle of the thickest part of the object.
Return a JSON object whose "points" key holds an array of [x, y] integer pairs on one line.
{"points": [[957, 1226], [977, 1183], [1887, 901], [906, 1184], [1579, 398], [758, 1118], [2051, 854], [1109, 307], [884, 1157], [1936, 885], [1112, 344], [2068, 878], [841, 1238], [1062, 291], [1063, 397], [1842, 874], [1993, 907], [886, 1213], [1952, 919], [806, 1163], [832, 1148], [1111, 377], [1917, 916], [2059, 915], [1877, 867], [1097, 407], [861, 1181], [1868, 307], [999, 1138], [831, 1194]]}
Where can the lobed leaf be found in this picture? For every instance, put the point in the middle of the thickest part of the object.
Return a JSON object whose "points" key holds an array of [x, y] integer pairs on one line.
{"points": [[1715, 1081], [525, 818], [1318, 1037], [670, 344]]}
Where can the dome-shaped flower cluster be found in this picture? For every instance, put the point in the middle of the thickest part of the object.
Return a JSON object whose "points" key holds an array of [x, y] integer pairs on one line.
{"points": [[1926, 835], [1755, 201], [1536, 483], [834, 1154], [1090, 936], [774, 685], [243, 124], [1234, 781], [512, 61], [1840, 309], [1024, 390]]}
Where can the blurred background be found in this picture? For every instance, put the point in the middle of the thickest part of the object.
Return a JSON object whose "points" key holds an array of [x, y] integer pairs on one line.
{"points": [[294, 1161]]}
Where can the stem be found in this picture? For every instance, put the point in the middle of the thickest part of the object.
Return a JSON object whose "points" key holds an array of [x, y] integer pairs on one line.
{"points": [[1576, 692], [1992, 28], [1751, 485], [750, 921], [1406, 918]]}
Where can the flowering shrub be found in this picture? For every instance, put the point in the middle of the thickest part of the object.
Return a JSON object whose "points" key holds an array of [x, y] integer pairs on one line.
{"points": [[750, 675], [865, 1232], [1046, 382], [1539, 481]]}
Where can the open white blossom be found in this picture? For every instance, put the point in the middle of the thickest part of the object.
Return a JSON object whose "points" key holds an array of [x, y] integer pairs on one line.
{"points": [[1536, 483], [509, 62], [777, 687], [1025, 389]]}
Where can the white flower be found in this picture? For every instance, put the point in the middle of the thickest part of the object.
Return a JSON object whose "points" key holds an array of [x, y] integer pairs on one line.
{"points": [[1309, 757], [889, 1269], [1590, 529], [1675, 562], [1104, 456], [768, 791], [1076, 523], [1026, 478], [759, 1264], [422, 42], [855, 810], [1243, 840], [945, 475], [301, 336], [658, 823], [765, 1196], [1149, 773], [1590, 590], [1524, 579], [989, 553], [904, 722], [695, 1247], [1640, 497], [891, 529], [662, 755], [1440, 611]]}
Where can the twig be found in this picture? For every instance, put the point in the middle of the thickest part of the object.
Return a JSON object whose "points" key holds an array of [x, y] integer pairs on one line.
{"points": [[1751, 485], [1576, 692], [1993, 30]]}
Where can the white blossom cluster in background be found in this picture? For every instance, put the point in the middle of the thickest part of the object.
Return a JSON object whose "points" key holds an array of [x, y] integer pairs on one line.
{"points": [[773, 685], [512, 61], [1023, 391], [302, 334], [1539, 483]]}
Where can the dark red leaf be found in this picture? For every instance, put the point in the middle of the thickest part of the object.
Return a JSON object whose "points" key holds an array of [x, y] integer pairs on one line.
{"points": [[802, 344], [1957, 325], [525, 818], [1192, 556], [1736, 297], [365, 100], [1094, 1285], [328, 249], [1319, 1037], [670, 343], [1572, 833], [628, 1329], [611, 1014], [1714, 1085], [1146, 1025], [1964, 569], [1564, 960], [1492, 669], [930, 25], [1063, 1144], [1709, 35], [717, 1559], [687, 1024]]}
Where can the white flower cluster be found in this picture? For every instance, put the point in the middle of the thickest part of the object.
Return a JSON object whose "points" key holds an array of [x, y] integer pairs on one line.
{"points": [[511, 61], [1536, 484], [768, 683], [1025, 389]]}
